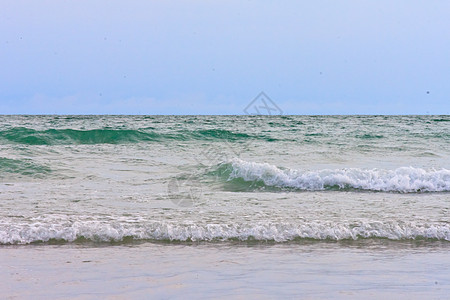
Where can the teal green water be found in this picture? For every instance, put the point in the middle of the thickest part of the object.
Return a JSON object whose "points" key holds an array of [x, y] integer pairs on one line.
{"points": [[277, 179]]}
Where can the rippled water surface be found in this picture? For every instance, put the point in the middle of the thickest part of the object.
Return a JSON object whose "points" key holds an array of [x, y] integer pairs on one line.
{"points": [[218, 178]]}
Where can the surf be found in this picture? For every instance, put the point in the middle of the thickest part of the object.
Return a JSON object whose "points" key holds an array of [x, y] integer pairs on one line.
{"points": [[252, 175], [104, 231]]}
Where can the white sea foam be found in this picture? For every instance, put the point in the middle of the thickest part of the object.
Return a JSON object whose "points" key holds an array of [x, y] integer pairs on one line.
{"points": [[103, 231], [403, 180]]}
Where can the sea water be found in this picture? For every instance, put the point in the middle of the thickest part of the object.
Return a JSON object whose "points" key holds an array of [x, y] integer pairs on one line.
{"points": [[267, 188]]}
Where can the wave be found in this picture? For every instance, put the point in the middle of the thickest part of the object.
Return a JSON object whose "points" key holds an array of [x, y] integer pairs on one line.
{"points": [[107, 231], [22, 167], [28, 136], [368, 136], [441, 120], [243, 175], [219, 134]]}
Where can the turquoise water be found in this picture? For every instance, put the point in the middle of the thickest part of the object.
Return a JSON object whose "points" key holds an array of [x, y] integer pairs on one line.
{"points": [[278, 179]]}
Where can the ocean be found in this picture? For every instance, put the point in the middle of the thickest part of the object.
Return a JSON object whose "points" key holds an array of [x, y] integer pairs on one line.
{"points": [[226, 206]]}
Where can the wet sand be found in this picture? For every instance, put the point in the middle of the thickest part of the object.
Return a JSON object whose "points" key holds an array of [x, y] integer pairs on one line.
{"points": [[226, 270]]}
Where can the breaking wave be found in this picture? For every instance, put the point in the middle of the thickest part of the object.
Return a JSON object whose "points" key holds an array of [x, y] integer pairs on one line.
{"points": [[243, 174], [117, 231]]}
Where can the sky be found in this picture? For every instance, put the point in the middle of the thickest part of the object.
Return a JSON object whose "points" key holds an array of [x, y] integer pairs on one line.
{"points": [[215, 57]]}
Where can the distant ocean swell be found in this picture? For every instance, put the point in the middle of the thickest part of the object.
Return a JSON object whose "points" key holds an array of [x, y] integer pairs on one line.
{"points": [[102, 231], [69, 136], [28, 136], [243, 175]]}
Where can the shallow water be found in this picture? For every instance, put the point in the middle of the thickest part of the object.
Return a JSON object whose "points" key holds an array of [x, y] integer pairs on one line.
{"points": [[312, 270]]}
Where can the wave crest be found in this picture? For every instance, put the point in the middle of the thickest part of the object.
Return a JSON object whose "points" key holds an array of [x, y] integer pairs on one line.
{"points": [[28, 136], [101, 231], [402, 180]]}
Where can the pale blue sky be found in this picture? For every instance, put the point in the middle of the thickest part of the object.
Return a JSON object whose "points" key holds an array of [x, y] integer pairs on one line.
{"points": [[214, 57]]}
